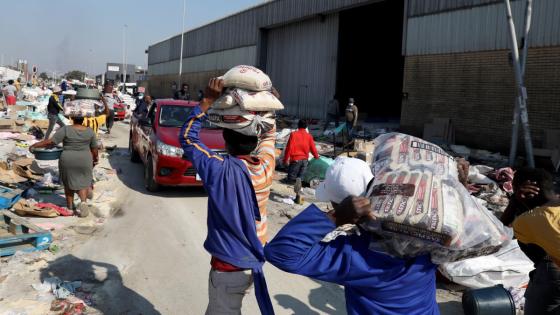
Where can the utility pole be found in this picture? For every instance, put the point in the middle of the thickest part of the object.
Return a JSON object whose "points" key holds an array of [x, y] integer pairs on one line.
{"points": [[520, 109], [182, 44], [124, 56]]}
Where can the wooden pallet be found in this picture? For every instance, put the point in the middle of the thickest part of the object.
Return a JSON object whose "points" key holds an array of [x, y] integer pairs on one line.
{"points": [[18, 234]]}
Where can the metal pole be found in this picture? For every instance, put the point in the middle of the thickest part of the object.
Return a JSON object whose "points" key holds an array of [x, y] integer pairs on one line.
{"points": [[526, 30], [521, 90], [124, 57], [182, 43], [524, 52]]}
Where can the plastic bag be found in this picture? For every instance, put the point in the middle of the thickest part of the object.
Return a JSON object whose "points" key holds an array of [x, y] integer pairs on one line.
{"points": [[316, 169], [421, 207], [509, 267]]}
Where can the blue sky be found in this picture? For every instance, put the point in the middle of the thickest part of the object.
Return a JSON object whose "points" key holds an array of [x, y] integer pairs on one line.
{"points": [[61, 35]]}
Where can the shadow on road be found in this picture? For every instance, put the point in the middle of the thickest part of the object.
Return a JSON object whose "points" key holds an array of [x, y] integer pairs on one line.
{"points": [[291, 303], [132, 175], [328, 299], [111, 296]]}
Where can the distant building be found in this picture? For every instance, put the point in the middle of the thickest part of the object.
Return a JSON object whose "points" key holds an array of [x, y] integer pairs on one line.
{"points": [[114, 73]]}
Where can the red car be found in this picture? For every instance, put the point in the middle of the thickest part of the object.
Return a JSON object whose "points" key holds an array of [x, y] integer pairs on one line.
{"points": [[154, 140], [120, 111]]}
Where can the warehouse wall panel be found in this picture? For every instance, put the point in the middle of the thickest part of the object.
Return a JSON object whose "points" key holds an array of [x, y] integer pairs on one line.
{"points": [[301, 61], [242, 29], [208, 62], [481, 28]]}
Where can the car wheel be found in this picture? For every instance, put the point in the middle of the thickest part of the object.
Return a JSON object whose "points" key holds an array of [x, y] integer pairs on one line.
{"points": [[149, 181], [134, 156]]}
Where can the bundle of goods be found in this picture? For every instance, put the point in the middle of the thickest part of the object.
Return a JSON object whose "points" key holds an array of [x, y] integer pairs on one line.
{"points": [[421, 207], [82, 108], [248, 104], [86, 104], [30, 94]]}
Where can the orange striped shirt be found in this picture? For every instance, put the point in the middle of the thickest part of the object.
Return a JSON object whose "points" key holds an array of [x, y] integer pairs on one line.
{"points": [[261, 165]]}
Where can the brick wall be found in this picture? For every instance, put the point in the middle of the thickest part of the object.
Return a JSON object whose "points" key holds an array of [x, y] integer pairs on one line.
{"points": [[477, 91]]}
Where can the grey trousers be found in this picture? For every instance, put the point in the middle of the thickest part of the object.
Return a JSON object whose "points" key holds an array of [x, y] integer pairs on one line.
{"points": [[53, 120], [226, 291]]}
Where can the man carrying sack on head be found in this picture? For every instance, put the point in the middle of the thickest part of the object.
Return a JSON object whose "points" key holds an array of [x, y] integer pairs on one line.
{"points": [[238, 186]]}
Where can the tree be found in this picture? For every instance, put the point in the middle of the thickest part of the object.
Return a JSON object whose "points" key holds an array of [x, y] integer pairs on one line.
{"points": [[75, 75], [44, 76]]}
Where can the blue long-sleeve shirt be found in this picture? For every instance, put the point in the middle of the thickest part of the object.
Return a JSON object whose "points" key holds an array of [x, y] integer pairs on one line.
{"points": [[375, 283], [232, 207]]}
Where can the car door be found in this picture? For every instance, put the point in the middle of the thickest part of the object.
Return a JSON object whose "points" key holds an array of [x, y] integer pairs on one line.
{"points": [[147, 131]]}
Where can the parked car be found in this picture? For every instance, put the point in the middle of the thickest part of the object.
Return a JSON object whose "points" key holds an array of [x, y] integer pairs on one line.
{"points": [[154, 141], [120, 110]]}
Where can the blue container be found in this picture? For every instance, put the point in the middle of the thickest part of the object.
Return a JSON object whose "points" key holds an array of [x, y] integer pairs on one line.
{"points": [[47, 154], [8, 197], [488, 301]]}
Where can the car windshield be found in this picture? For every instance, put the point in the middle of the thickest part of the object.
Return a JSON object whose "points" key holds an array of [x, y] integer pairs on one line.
{"points": [[173, 115]]}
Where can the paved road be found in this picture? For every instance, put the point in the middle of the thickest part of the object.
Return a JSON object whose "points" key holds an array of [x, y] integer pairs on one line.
{"points": [[151, 260]]}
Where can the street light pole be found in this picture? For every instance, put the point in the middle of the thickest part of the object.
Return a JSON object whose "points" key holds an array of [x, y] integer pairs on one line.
{"points": [[182, 43], [124, 56]]}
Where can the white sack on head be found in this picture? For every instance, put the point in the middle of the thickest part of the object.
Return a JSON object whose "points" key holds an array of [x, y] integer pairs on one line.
{"points": [[263, 101], [248, 78]]}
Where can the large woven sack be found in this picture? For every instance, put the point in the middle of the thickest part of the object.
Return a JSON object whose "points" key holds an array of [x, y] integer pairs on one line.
{"points": [[263, 101], [421, 207], [248, 78]]}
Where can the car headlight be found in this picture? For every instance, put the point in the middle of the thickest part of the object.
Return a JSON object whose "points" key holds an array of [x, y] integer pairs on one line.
{"points": [[169, 150]]}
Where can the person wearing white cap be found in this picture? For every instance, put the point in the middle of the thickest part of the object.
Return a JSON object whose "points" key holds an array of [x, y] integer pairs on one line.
{"points": [[53, 109], [345, 177], [374, 282]]}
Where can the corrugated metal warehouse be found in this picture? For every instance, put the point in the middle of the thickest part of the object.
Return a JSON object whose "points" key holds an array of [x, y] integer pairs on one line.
{"points": [[412, 60]]}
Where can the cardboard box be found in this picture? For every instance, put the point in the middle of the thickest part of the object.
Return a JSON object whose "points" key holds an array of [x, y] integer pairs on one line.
{"points": [[18, 108], [43, 124], [7, 124]]}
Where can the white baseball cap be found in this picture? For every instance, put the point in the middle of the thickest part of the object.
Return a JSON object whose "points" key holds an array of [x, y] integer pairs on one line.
{"points": [[345, 177]]}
